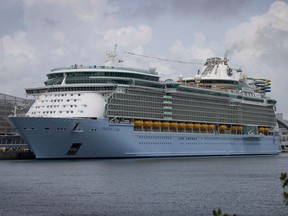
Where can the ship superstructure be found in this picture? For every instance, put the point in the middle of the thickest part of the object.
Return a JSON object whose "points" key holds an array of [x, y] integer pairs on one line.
{"points": [[112, 111]]}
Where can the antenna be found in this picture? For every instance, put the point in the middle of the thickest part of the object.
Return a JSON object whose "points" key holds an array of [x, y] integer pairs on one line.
{"points": [[112, 57]]}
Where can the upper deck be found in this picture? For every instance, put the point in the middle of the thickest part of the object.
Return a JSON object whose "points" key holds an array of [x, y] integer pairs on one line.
{"points": [[216, 78], [98, 74], [151, 71]]}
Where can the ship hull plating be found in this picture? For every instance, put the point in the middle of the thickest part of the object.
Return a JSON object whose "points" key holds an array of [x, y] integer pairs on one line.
{"points": [[53, 138]]}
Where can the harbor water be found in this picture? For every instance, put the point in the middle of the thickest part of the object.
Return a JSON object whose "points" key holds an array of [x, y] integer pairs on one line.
{"points": [[163, 186]]}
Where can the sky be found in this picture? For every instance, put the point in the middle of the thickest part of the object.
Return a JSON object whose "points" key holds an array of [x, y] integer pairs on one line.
{"points": [[37, 35]]}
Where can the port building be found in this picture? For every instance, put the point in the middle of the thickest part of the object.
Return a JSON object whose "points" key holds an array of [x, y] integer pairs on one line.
{"points": [[10, 105]]}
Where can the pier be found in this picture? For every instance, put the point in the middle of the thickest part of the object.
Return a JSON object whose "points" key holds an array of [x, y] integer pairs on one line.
{"points": [[14, 147]]}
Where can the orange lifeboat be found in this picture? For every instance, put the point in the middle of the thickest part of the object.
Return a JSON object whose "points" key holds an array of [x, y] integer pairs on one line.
{"points": [[223, 127], [196, 126], [165, 124], [148, 123], [173, 125], [211, 127], [156, 124], [266, 130], [138, 123], [182, 125], [204, 126], [261, 130], [234, 128], [239, 128], [189, 125]]}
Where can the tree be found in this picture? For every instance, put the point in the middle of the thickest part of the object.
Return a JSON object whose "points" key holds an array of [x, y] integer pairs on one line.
{"points": [[284, 180], [219, 213]]}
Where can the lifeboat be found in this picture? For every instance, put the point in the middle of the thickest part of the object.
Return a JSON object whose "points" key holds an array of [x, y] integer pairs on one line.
{"points": [[189, 125], [165, 124], [156, 124], [204, 126], [261, 130], [234, 128], [174, 125], [211, 127], [138, 123], [266, 130], [239, 128], [147, 123], [223, 127], [182, 125], [197, 126]]}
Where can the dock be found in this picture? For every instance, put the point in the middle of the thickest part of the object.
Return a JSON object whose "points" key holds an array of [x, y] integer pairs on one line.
{"points": [[13, 147]]}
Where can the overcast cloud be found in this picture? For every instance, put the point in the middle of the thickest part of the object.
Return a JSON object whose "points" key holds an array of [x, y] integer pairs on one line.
{"points": [[38, 35]]}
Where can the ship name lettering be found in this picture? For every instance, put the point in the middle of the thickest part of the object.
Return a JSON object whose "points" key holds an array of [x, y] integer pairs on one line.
{"points": [[110, 129]]}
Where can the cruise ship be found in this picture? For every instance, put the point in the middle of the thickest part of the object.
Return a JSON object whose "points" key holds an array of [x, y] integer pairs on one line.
{"points": [[111, 111]]}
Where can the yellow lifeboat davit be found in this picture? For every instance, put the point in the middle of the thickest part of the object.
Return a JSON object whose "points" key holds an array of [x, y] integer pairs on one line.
{"points": [[204, 126], [138, 123], [174, 125], [196, 126], [211, 127], [156, 124], [165, 124], [182, 125], [223, 127], [189, 125], [147, 123]]}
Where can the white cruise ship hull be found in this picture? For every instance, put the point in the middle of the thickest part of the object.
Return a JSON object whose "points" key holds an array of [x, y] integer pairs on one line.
{"points": [[61, 138]]}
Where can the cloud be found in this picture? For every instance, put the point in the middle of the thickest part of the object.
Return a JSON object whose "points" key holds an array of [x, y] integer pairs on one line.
{"points": [[129, 36], [16, 55], [11, 10], [207, 9], [198, 50], [192, 55], [59, 33], [260, 45], [148, 9], [16, 45]]}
